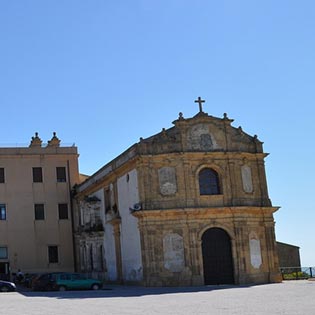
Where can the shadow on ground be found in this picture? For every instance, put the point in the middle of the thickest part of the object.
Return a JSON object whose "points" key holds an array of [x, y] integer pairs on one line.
{"points": [[124, 291]]}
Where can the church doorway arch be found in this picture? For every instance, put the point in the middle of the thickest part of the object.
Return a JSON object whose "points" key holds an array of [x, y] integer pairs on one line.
{"points": [[217, 257]]}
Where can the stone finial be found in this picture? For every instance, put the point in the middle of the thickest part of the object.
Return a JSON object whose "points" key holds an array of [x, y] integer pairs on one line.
{"points": [[36, 141], [225, 116], [180, 116], [54, 142]]}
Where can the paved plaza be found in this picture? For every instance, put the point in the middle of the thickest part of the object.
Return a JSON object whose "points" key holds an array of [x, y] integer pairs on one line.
{"points": [[287, 298]]}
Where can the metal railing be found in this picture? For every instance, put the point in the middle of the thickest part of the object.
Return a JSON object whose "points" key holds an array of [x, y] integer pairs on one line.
{"points": [[297, 273]]}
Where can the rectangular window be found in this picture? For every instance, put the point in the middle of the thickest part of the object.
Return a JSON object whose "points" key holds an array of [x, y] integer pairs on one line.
{"points": [[61, 174], [3, 212], [53, 254], [63, 211], [3, 252], [1, 175], [39, 211], [37, 175]]}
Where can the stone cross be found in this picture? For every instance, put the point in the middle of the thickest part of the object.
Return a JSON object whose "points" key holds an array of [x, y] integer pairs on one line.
{"points": [[200, 101]]}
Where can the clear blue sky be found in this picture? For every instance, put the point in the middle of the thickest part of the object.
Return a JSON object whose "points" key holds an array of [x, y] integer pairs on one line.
{"points": [[102, 74]]}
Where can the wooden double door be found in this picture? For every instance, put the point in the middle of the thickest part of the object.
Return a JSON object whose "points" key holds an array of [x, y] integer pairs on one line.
{"points": [[217, 257]]}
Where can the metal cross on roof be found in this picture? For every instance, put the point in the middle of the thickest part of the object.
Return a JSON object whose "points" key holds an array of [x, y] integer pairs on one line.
{"points": [[200, 101]]}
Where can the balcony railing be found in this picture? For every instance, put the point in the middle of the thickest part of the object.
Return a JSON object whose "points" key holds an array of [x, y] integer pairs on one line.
{"points": [[91, 228]]}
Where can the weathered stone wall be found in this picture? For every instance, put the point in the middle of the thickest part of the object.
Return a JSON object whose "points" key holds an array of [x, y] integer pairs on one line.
{"points": [[171, 181], [185, 227], [289, 255]]}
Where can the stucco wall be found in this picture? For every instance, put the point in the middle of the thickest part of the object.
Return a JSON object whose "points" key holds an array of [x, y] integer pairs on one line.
{"points": [[26, 238], [110, 253], [128, 196]]}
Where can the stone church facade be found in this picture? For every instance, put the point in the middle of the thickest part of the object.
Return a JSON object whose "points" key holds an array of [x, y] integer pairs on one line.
{"points": [[187, 206]]}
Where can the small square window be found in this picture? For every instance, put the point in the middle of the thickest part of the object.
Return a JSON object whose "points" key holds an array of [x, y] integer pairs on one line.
{"points": [[53, 254], [3, 212], [39, 211], [37, 175], [2, 175], [61, 174], [63, 211], [3, 252]]}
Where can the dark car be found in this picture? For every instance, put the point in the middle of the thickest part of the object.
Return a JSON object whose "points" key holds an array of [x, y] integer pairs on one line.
{"points": [[7, 286], [29, 278], [44, 282]]}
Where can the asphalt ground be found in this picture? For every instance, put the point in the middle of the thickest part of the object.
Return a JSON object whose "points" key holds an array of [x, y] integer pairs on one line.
{"points": [[287, 298]]}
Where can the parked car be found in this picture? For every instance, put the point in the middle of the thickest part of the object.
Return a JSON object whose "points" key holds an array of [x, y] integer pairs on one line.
{"points": [[7, 286], [44, 282], [65, 281], [29, 278], [76, 281]]}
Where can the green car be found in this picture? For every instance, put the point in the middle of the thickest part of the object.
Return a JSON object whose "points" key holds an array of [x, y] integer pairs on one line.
{"points": [[75, 281]]}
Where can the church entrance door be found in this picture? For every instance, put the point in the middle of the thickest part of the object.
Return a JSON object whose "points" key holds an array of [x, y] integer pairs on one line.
{"points": [[217, 257]]}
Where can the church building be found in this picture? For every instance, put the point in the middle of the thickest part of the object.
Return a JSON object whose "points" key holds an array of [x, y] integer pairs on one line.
{"points": [[187, 206]]}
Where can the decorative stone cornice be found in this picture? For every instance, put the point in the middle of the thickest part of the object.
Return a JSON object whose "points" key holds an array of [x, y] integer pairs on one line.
{"points": [[199, 213]]}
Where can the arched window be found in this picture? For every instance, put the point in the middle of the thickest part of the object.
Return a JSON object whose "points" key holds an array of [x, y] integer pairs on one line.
{"points": [[208, 182]]}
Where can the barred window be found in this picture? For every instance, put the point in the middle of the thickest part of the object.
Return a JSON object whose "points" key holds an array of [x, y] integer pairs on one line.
{"points": [[37, 175], [61, 174], [53, 256]]}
